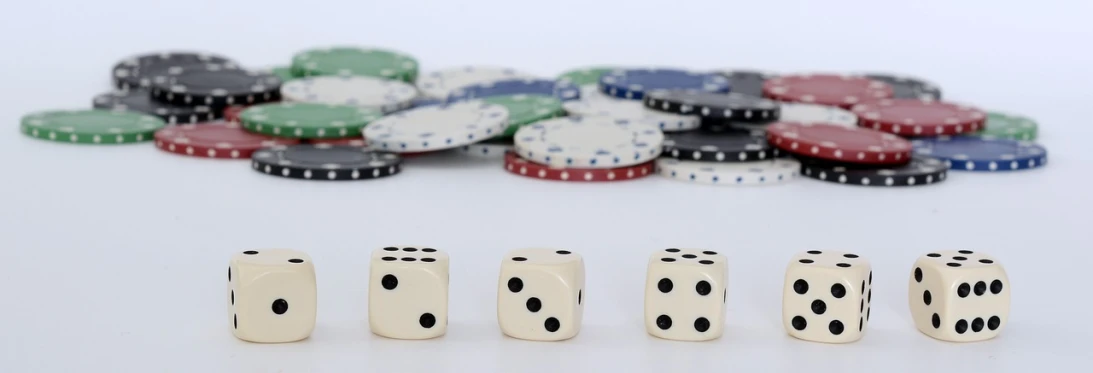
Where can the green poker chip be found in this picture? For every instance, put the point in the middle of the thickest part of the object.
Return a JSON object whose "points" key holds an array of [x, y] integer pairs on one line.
{"points": [[1008, 126], [380, 63], [302, 120], [527, 109], [91, 126], [585, 76]]}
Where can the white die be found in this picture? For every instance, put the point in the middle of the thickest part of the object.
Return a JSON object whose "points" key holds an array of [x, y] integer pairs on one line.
{"points": [[272, 295], [827, 296], [540, 294], [685, 294], [959, 296], [408, 292]]}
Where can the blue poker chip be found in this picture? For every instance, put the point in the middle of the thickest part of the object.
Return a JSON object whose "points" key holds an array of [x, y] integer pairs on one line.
{"points": [[425, 101], [563, 90], [983, 154], [632, 84]]}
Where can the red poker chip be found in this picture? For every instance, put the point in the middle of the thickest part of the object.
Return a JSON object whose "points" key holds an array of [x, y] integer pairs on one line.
{"points": [[231, 113], [215, 140], [838, 143], [520, 166], [348, 141], [916, 117], [826, 89]]}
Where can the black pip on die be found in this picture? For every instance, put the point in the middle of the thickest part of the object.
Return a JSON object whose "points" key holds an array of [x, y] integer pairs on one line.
{"points": [[827, 296], [272, 295], [685, 294], [408, 292], [959, 296], [540, 294]]}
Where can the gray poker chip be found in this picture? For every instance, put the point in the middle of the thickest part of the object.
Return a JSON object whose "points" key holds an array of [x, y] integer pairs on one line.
{"points": [[325, 162]]}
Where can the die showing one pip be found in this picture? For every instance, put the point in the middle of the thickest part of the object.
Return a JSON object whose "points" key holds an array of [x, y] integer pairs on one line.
{"points": [[959, 296], [827, 296], [272, 295], [685, 294], [408, 292], [540, 294]]}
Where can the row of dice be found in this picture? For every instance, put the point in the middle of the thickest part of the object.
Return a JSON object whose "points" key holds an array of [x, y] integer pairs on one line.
{"points": [[954, 296]]}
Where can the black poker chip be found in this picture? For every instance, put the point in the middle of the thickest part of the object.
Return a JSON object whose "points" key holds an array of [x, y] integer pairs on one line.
{"points": [[136, 72], [718, 125], [732, 106], [736, 146], [747, 82], [908, 87], [140, 101], [325, 162], [214, 85], [920, 171]]}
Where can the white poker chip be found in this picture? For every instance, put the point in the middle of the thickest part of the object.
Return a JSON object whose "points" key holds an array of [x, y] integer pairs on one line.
{"points": [[603, 105], [437, 127], [589, 142], [360, 91], [775, 171], [440, 84], [812, 113]]}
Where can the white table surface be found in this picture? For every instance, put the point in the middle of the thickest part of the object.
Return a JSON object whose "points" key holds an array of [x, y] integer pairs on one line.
{"points": [[114, 255]]}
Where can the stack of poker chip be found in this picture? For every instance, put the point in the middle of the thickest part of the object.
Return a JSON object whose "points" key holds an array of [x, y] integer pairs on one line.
{"points": [[711, 135], [896, 116], [353, 113]]}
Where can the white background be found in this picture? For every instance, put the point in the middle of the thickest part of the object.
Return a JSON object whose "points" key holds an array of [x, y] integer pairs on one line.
{"points": [[114, 256]]}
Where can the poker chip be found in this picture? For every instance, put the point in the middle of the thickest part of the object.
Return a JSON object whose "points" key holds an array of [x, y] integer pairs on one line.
{"points": [[721, 126], [139, 101], [748, 82], [774, 171], [362, 91], [214, 140], [519, 166], [281, 72], [838, 143], [728, 147], [602, 105], [633, 83], [732, 106], [983, 154], [380, 63], [562, 90], [440, 127], [843, 91], [91, 126], [920, 171], [347, 141], [589, 142], [1009, 126], [811, 113], [492, 148], [325, 162], [587, 76], [439, 85], [304, 120], [214, 85], [908, 87], [137, 72], [917, 117], [526, 109]]}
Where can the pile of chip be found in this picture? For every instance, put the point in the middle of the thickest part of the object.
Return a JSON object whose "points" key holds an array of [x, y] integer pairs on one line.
{"points": [[352, 113]]}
